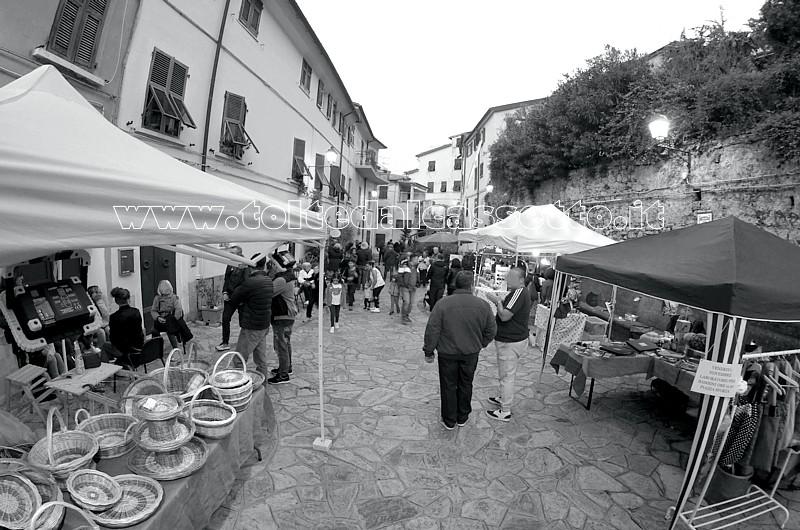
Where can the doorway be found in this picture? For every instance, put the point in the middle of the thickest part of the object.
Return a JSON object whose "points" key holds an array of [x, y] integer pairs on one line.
{"points": [[156, 264]]}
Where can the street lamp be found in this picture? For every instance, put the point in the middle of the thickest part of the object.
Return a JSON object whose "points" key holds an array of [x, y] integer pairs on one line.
{"points": [[659, 130], [489, 188], [332, 156]]}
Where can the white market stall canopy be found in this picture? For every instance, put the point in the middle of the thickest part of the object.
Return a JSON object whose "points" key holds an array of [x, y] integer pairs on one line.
{"points": [[69, 179], [538, 229]]}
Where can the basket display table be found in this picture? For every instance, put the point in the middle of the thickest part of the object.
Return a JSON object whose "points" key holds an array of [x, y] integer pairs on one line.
{"points": [[190, 502]]}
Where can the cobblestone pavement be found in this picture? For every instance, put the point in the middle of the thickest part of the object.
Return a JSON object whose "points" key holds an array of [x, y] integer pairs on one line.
{"points": [[392, 465]]}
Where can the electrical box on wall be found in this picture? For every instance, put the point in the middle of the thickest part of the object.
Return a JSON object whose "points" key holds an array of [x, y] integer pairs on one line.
{"points": [[126, 265]]}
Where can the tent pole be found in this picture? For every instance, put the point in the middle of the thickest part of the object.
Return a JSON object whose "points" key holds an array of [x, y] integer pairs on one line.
{"points": [[558, 282], [321, 443], [611, 312], [63, 356]]}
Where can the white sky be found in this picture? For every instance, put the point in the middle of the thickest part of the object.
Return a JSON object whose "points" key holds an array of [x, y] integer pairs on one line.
{"points": [[426, 70]]}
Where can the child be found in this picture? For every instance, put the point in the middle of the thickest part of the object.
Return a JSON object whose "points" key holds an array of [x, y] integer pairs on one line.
{"points": [[333, 297], [394, 293], [351, 279], [367, 297]]}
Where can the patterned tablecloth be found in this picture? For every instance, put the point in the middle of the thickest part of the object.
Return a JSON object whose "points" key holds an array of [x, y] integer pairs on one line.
{"points": [[481, 292], [567, 330]]}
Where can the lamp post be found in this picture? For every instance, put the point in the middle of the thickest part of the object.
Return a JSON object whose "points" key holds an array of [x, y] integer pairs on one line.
{"points": [[659, 129]]}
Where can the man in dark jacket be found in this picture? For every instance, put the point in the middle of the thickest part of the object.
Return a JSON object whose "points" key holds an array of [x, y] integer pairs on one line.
{"points": [[459, 327], [407, 277], [438, 277], [254, 300], [234, 277], [363, 256], [284, 310], [334, 260], [389, 260]]}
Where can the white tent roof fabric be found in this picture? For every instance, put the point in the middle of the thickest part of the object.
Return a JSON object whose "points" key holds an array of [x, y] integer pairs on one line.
{"points": [[64, 168], [538, 229]]}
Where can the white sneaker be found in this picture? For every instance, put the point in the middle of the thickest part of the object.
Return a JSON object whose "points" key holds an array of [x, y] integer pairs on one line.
{"points": [[95, 349], [337, 325], [375, 310], [332, 330]]}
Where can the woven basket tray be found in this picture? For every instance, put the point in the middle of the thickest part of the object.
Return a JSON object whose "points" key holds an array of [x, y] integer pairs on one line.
{"points": [[240, 392], [182, 381], [19, 500], [158, 407], [257, 377], [144, 386], [51, 517], [155, 437], [141, 497], [113, 432], [93, 490], [229, 378], [61, 505], [63, 452], [169, 466], [213, 418]]}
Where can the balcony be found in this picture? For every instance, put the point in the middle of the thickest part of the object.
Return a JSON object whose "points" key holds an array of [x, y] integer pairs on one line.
{"points": [[367, 167]]}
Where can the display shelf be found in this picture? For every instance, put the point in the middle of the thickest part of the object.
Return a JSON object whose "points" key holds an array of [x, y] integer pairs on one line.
{"points": [[729, 513]]}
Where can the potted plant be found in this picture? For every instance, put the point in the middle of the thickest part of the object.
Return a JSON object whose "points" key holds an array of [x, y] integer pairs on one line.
{"points": [[209, 302], [696, 345]]}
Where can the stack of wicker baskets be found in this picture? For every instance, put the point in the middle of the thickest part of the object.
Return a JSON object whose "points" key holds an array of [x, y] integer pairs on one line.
{"points": [[112, 431], [213, 418], [63, 452], [182, 380], [51, 516], [235, 386]]}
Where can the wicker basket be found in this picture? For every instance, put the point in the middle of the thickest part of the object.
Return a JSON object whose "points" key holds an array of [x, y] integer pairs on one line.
{"points": [[93, 490], [158, 407], [193, 361], [14, 452], [113, 432], [229, 377], [164, 436], [144, 386], [183, 380], [48, 489], [141, 497], [61, 505], [213, 418], [63, 452], [257, 377], [19, 500], [172, 465]]}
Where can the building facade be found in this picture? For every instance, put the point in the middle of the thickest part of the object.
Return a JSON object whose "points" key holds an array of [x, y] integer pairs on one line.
{"points": [[401, 205], [439, 170], [241, 89]]}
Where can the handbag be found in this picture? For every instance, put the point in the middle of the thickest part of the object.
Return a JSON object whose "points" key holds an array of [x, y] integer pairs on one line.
{"points": [[91, 360]]}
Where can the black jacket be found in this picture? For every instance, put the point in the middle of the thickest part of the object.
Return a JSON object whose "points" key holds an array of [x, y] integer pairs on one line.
{"points": [[363, 255], [438, 274], [254, 298], [334, 259], [234, 277], [389, 257], [125, 325], [460, 324], [451, 279]]}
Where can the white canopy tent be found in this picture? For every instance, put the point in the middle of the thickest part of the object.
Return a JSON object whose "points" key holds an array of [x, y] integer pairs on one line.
{"points": [[544, 229], [69, 179]]}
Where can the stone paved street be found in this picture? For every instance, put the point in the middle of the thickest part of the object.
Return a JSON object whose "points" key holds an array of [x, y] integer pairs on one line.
{"points": [[392, 465]]}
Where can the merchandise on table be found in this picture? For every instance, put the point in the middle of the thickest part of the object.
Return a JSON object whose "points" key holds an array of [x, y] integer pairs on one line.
{"points": [[234, 385], [164, 436], [63, 452], [19, 500], [50, 507], [257, 377], [114, 432], [183, 380], [158, 407], [213, 418], [93, 490], [51, 517], [141, 497], [171, 465], [144, 386]]}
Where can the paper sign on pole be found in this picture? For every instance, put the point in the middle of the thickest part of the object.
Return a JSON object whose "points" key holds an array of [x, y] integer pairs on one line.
{"points": [[717, 379]]}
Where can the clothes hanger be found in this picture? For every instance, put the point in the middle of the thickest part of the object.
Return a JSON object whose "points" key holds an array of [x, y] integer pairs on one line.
{"points": [[788, 378], [774, 384]]}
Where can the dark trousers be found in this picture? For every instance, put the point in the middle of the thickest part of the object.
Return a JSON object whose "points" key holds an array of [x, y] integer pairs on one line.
{"points": [[455, 387], [282, 344], [376, 296], [227, 315], [351, 293], [436, 294], [335, 314], [312, 299], [423, 277]]}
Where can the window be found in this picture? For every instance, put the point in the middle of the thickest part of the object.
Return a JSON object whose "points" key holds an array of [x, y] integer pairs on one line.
{"points": [[480, 171], [250, 15], [319, 172], [383, 214], [443, 187], [351, 135], [76, 30], [469, 149], [329, 108], [430, 186], [336, 179], [483, 135], [164, 110], [234, 138], [477, 142], [333, 115], [299, 168], [458, 142], [457, 163], [399, 223], [383, 192], [341, 124], [320, 93], [457, 185], [475, 178], [305, 76], [432, 165]]}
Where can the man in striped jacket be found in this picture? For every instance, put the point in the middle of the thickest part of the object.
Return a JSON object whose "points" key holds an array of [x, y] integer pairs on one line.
{"points": [[511, 340]]}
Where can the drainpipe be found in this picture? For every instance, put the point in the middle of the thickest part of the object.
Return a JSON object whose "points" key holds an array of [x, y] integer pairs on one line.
{"points": [[204, 155]]}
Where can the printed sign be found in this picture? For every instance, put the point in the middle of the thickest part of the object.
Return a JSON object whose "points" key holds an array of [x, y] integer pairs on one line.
{"points": [[717, 379]]}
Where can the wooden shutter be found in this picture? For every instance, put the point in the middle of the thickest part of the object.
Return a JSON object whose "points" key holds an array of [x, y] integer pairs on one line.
{"points": [[244, 12], [235, 108], [159, 73], [65, 26], [90, 32], [177, 83]]}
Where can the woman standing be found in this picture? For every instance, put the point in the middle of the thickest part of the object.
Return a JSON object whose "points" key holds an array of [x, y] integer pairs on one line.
{"points": [[455, 268], [376, 283], [351, 280], [166, 311]]}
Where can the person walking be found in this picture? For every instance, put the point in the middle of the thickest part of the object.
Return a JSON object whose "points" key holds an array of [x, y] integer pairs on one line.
{"points": [[333, 298], [363, 256], [389, 260], [407, 276], [313, 282], [335, 255], [459, 327], [511, 340], [254, 300], [394, 295], [438, 276], [424, 264], [546, 292], [455, 268], [376, 283], [234, 277], [284, 309], [303, 283], [351, 280]]}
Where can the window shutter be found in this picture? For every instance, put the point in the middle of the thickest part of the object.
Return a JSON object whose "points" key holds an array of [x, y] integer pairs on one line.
{"points": [[177, 84], [235, 108], [244, 14], [65, 25], [87, 42], [159, 74]]}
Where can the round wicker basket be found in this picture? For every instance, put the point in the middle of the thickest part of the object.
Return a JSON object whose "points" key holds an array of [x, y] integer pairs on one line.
{"points": [[93, 490], [62, 505], [159, 437], [212, 418], [113, 432], [48, 489], [229, 378], [141, 497], [182, 380], [144, 386], [257, 377], [158, 407], [63, 452], [19, 500]]}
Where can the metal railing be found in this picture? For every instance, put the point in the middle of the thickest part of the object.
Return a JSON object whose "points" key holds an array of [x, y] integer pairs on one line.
{"points": [[368, 158]]}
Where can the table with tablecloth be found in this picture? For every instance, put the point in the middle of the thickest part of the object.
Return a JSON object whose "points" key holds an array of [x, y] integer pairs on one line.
{"points": [[566, 331], [673, 374], [482, 292], [190, 502]]}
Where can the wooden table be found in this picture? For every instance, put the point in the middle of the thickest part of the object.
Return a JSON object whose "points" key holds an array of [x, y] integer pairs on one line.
{"points": [[71, 384]]}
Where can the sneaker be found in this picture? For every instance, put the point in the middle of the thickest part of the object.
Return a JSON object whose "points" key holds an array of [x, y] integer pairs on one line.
{"points": [[448, 427], [223, 346], [462, 423], [95, 349], [278, 380], [375, 310], [391, 313], [306, 302], [337, 325], [332, 330], [275, 371], [495, 401], [499, 415]]}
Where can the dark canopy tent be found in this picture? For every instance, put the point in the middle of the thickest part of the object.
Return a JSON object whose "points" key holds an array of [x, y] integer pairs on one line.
{"points": [[734, 270]]}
